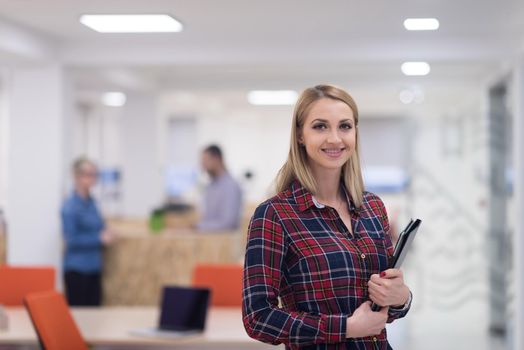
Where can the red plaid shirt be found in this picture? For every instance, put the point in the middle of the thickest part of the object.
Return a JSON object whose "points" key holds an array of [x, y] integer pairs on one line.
{"points": [[301, 252]]}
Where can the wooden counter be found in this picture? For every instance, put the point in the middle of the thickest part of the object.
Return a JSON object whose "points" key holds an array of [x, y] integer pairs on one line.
{"points": [[140, 262]]}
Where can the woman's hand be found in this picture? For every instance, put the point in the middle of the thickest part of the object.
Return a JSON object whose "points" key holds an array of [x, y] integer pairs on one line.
{"points": [[364, 322], [108, 237], [388, 288]]}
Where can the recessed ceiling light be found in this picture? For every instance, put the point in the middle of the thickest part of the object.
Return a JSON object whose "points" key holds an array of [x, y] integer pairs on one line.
{"points": [[272, 97], [415, 68], [114, 99], [421, 24], [406, 96], [410, 95], [131, 23]]}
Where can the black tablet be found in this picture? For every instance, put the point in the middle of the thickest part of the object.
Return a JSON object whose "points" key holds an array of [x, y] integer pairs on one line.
{"points": [[404, 243], [401, 248]]}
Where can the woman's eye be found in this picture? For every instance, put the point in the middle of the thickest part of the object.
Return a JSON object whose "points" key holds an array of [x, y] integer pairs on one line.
{"points": [[346, 126], [319, 126]]}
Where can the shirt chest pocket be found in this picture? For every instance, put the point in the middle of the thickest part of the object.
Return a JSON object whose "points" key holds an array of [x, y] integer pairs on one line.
{"points": [[374, 243], [372, 228]]}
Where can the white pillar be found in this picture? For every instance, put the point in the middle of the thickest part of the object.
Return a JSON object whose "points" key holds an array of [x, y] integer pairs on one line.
{"points": [[142, 178], [35, 164], [4, 137], [518, 147]]}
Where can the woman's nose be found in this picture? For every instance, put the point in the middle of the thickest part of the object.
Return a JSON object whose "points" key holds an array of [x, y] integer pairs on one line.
{"points": [[333, 137]]}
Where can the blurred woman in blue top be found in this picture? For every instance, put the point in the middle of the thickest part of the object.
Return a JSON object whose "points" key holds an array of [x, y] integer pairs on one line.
{"points": [[84, 234]]}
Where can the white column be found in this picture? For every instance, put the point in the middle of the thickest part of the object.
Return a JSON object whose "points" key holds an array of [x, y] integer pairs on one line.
{"points": [[142, 178], [35, 164], [518, 247], [3, 138]]}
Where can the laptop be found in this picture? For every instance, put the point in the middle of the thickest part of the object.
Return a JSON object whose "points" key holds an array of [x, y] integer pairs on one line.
{"points": [[183, 312]]}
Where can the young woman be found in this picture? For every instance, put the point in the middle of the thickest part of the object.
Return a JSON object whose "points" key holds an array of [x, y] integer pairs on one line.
{"points": [[317, 252], [84, 234]]}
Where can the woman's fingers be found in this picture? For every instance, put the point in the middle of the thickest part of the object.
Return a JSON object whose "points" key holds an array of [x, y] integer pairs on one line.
{"points": [[391, 273], [375, 278], [387, 288]]}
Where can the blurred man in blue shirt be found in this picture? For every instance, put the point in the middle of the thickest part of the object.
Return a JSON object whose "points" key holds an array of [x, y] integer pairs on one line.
{"points": [[222, 205], [84, 234]]}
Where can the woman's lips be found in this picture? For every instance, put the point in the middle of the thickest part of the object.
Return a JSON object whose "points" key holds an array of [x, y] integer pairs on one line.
{"points": [[333, 152]]}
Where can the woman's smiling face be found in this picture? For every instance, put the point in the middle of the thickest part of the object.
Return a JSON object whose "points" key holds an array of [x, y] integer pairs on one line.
{"points": [[328, 134]]}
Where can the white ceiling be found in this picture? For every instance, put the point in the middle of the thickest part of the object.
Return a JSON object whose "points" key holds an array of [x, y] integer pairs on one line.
{"points": [[270, 43]]}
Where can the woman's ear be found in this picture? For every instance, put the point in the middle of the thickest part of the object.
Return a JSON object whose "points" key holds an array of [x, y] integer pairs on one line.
{"points": [[300, 138]]}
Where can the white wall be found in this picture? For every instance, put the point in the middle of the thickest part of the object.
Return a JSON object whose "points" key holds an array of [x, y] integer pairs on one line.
{"points": [[126, 138], [4, 137], [252, 138], [142, 181], [517, 331], [36, 112]]}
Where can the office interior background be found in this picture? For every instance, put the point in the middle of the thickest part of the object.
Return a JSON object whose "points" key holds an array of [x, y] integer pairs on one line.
{"points": [[445, 147]]}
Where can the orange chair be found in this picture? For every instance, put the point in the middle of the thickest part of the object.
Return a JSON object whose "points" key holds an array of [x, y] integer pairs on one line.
{"points": [[225, 282], [53, 322], [17, 282]]}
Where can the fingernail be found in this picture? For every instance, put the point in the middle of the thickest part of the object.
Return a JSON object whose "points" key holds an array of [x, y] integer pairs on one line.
{"points": [[382, 274]]}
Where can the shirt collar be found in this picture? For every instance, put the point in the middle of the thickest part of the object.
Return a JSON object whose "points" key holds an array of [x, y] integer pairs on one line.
{"points": [[81, 199], [220, 177], [306, 200]]}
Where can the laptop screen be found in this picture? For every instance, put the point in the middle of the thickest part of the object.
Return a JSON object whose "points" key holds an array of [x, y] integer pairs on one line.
{"points": [[184, 308]]}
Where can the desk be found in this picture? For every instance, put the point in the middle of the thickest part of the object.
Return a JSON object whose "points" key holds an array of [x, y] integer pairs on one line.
{"points": [[108, 327]]}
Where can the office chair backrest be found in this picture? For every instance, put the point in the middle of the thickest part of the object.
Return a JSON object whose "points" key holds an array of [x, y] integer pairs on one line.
{"points": [[224, 280], [18, 281], [53, 322]]}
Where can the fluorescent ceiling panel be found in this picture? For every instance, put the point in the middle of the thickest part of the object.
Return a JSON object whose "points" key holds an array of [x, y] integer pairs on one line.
{"points": [[131, 23], [272, 97]]}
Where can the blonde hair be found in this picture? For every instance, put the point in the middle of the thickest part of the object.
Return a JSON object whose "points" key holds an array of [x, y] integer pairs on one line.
{"points": [[296, 166], [78, 165]]}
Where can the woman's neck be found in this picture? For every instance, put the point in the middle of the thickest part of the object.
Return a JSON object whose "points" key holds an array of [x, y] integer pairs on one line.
{"points": [[328, 185], [82, 192]]}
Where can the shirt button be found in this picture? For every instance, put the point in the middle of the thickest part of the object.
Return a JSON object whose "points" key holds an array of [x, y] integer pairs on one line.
{"points": [[363, 256]]}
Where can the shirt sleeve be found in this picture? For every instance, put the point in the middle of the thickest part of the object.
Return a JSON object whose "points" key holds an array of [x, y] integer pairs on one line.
{"points": [[229, 216], [394, 313], [73, 238], [263, 270]]}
